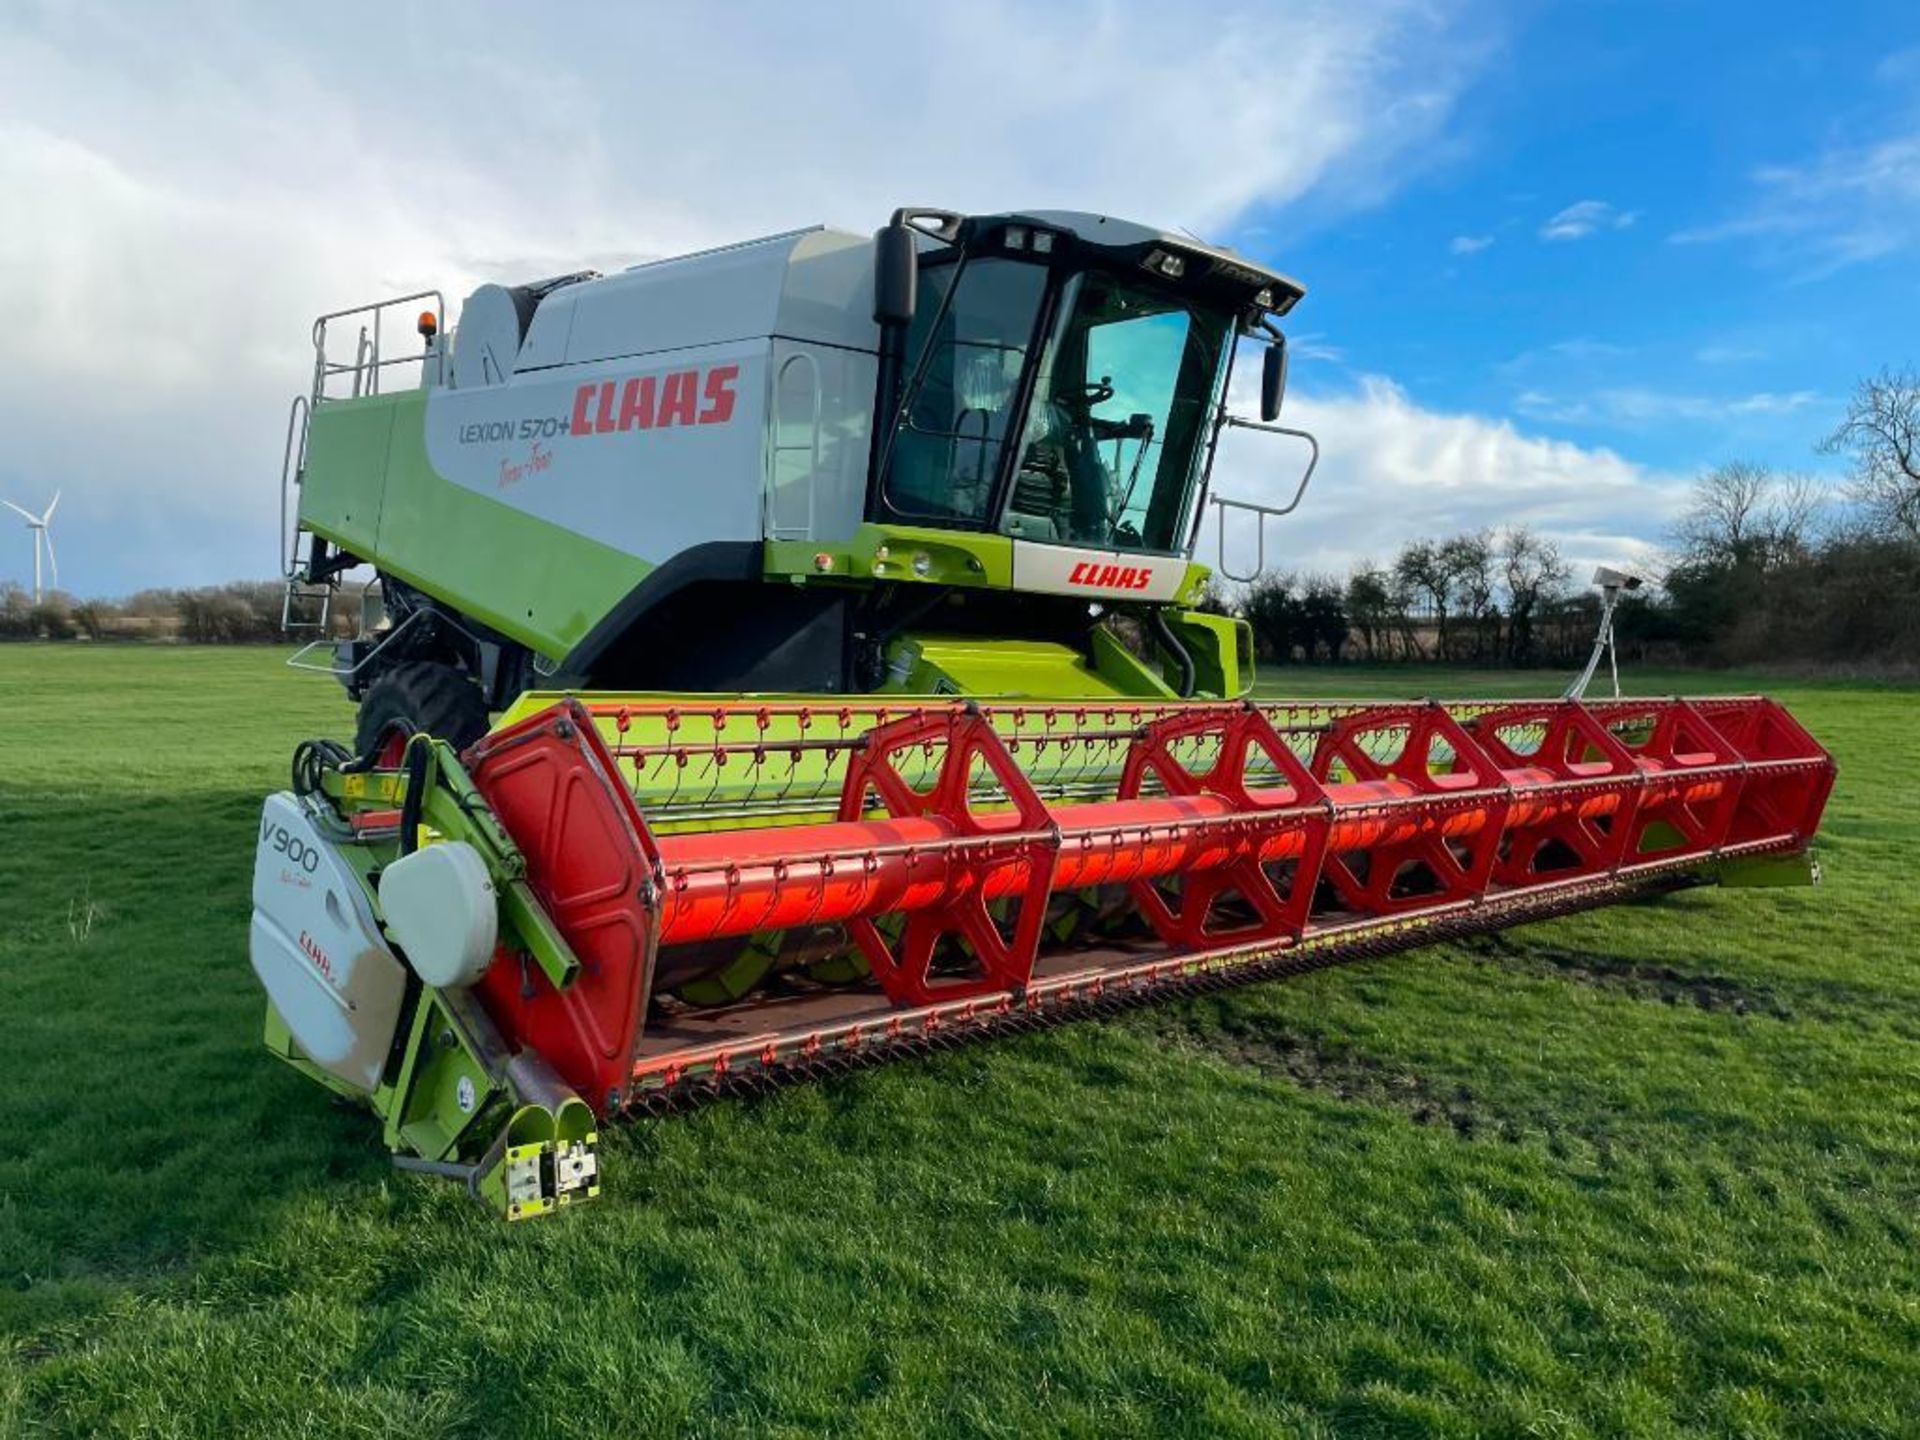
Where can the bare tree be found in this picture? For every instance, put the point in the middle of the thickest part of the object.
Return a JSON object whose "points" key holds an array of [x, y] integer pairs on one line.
{"points": [[1881, 434], [1795, 513], [1720, 520], [1467, 561], [1403, 598], [1533, 575], [1747, 514], [1370, 606], [1422, 577]]}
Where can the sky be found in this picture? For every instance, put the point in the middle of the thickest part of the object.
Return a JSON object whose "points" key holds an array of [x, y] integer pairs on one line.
{"points": [[1559, 257]]}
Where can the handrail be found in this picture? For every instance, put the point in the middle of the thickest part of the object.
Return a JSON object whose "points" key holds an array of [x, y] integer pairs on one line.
{"points": [[292, 467], [368, 362], [1262, 512], [298, 660]]}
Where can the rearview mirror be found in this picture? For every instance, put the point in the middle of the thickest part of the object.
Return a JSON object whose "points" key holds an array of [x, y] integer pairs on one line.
{"points": [[1273, 379], [896, 274]]}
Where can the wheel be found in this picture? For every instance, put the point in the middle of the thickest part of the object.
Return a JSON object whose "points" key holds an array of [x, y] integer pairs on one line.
{"points": [[420, 696]]}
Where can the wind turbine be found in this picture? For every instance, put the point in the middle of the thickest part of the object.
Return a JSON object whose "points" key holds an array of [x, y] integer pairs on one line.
{"points": [[42, 536]]}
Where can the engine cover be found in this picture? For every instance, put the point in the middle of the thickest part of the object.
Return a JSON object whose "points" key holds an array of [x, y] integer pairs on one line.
{"points": [[318, 950]]}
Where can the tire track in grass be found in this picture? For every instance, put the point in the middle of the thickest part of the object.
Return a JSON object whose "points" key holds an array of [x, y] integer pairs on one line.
{"points": [[1346, 1075], [1814, 997], [1622, 974], [1317, 1064]]}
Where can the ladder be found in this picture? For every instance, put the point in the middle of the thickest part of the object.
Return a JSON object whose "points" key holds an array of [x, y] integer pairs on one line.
{"points": [[298, 610], [307, 603]]}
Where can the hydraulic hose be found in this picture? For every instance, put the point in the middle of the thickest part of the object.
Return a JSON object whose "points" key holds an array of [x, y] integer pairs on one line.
{"points": [[311, 758], [1163, 632], [412, 803]]}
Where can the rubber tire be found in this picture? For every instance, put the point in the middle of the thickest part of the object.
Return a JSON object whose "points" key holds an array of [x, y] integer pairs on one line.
{"points": [[431, 697]]}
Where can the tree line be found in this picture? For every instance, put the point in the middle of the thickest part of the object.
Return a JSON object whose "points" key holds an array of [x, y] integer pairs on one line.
{"points": [[242, 612], [1484, 597], [1762, 565]]}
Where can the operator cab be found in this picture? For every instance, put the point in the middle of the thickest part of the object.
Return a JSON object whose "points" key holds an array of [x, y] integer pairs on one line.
{"points": [[1057, 378]]}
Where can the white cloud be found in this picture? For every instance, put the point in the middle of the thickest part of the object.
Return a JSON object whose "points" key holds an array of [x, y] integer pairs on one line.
{"points": [[1579, 353], [1839, 208], [1899, 67], [1769, 402], [1312, 345], [190, 189], [1586, 217], [1582, 347], [1469, 244], [1728, 354], [1639, 405], [1393, 470]]}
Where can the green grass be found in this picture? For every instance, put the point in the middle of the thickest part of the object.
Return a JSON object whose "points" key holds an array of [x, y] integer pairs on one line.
{"points": [[1650, 1170]]}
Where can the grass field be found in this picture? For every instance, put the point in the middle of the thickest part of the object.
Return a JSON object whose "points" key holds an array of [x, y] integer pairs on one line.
{"points": [[1640, 1172]]}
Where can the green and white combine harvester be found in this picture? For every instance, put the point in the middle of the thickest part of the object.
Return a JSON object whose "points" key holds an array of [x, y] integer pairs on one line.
{"points": [[791, 656]]}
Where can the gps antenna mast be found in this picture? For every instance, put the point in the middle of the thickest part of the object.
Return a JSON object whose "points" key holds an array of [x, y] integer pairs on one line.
{"points": [[1613, 584]]}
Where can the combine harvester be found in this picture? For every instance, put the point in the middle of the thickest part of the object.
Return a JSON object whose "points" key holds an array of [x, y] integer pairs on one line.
{"points": [[835, 597]]}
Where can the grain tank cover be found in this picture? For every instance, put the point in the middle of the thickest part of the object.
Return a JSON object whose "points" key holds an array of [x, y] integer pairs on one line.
{"points": [[638, 409], [493, 324], [811, 285]]}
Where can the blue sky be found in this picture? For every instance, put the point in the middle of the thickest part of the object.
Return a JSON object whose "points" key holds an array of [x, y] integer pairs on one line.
{"points": [[1695, 303], [1560, 257]]}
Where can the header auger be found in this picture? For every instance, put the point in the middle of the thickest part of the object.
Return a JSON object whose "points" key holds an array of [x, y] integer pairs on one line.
{"points": [[1002, 773]]}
